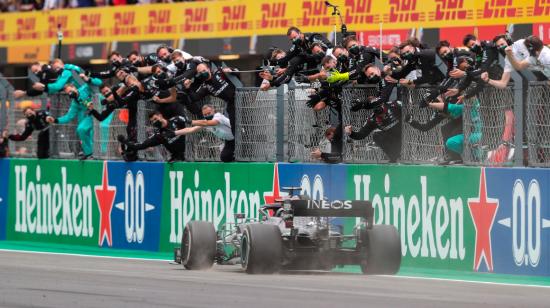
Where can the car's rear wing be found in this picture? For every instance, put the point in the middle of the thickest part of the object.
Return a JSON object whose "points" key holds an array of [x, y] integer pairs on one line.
{"points": [[336, 208]]}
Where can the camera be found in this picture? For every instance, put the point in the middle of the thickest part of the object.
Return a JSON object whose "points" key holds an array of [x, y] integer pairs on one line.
{"points": [[396, 64]]}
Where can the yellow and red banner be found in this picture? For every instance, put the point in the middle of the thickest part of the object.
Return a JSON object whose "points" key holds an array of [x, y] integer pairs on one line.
{"points": [[237, 18]]}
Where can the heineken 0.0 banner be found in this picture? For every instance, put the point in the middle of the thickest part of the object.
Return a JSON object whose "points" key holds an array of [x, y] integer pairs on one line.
{"points": [[458, 218]]}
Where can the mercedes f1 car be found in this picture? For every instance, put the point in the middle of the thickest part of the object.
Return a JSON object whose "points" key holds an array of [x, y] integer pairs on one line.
{"points": [[295, 233]]}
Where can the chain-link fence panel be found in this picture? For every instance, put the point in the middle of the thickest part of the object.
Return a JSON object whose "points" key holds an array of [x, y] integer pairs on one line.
{"points": [[538, 124], [17, 122], [203, 145], [106, 145], [420, 146], [489, 128], [365, 150], [256, 125], [306, 127], [64, 143], [145, 130]]}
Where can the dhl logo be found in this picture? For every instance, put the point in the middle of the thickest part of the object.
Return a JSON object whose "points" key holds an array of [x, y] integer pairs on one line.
{"points": [[403, 11], [233, 18], [273, 16], [26, 29], [196, 20], [57, 21], [541, 8], [90, 25], [359, 12], [499, 9], [159, 22], [3, 35], [125, 24], [314, 14], [449, 10]]}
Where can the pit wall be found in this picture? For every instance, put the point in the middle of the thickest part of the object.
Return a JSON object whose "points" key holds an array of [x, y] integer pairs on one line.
{"points": [[466, 219]]}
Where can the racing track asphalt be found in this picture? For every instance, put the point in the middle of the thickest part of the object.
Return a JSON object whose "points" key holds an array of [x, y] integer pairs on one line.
{"points": [[46, 280]]}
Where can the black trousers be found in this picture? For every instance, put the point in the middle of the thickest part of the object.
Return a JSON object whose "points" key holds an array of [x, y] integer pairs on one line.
{"points": [[43, 146], [390, 142]]}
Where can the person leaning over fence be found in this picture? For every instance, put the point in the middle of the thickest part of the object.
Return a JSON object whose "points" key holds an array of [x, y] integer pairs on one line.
{"points": [[217, 124], [451, 108], [163, 135], [65, 76], [36, 120], [527, 53], [80, 98]]}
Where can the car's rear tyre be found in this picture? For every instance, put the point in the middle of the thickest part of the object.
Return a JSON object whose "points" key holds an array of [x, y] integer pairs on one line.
{"points": [[261, 249], [382, 250], [198, 245]]}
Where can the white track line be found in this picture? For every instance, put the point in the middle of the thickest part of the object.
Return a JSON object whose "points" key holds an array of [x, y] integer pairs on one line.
{"points": [[388, 276]]}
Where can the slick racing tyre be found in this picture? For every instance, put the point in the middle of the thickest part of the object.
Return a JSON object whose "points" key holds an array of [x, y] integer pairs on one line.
{"points": [[381, 250], [198, 245], [261, 249]]}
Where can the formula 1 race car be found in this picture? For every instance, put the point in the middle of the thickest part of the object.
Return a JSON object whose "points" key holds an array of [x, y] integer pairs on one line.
{"points": [[295, 233]]}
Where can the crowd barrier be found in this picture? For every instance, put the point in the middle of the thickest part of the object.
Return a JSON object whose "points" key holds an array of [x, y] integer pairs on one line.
{"points": [[456, 219], [276, 125]]}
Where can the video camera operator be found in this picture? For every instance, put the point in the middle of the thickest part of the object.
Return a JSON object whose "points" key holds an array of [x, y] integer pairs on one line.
{"points": [[305, 50]]}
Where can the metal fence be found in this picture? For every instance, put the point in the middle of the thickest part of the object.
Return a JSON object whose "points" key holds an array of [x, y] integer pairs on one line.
{"points": [[277, 125], [538, 124]]}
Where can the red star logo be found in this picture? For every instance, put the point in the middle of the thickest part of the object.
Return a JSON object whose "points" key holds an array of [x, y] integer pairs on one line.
{"points": [[105, 196], [276, 194], [483, 211]]}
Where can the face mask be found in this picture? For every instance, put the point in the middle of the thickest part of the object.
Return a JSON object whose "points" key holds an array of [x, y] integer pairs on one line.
{"points": [[209, 117], [297, 40], [31, 117], [409, 56], [320, 55], [374, 79], [342, 58], [202, 76], [166, 59], [179, 64], [73, 95], [161, 76], [107, 94], [139, 63], [354, 49], [448, 56], [59, 71], [501, 49], [157, 124], [475, 48]]}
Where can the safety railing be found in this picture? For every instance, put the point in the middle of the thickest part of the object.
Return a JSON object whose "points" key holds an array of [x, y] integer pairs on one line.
{"points": [[277, 125]]}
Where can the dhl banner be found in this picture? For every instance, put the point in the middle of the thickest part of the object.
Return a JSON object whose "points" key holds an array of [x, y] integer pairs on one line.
{"points": [[237, 18]]}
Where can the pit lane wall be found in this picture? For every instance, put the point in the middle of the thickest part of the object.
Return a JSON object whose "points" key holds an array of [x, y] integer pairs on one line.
{"points": [[467, 219]]}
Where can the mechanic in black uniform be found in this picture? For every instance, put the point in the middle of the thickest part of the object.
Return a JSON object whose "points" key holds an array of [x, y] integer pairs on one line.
{"points": [[44, 74], [164, 133], [216, 84], [116, 61], [306, 49], [165, 99], [118, 97], [36, 120], [386, 117], [360, 56], [422, 60]]}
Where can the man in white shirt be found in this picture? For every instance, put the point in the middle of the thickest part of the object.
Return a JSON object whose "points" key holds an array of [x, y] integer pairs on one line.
{"points": [[529, 53], [217, 124]]}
